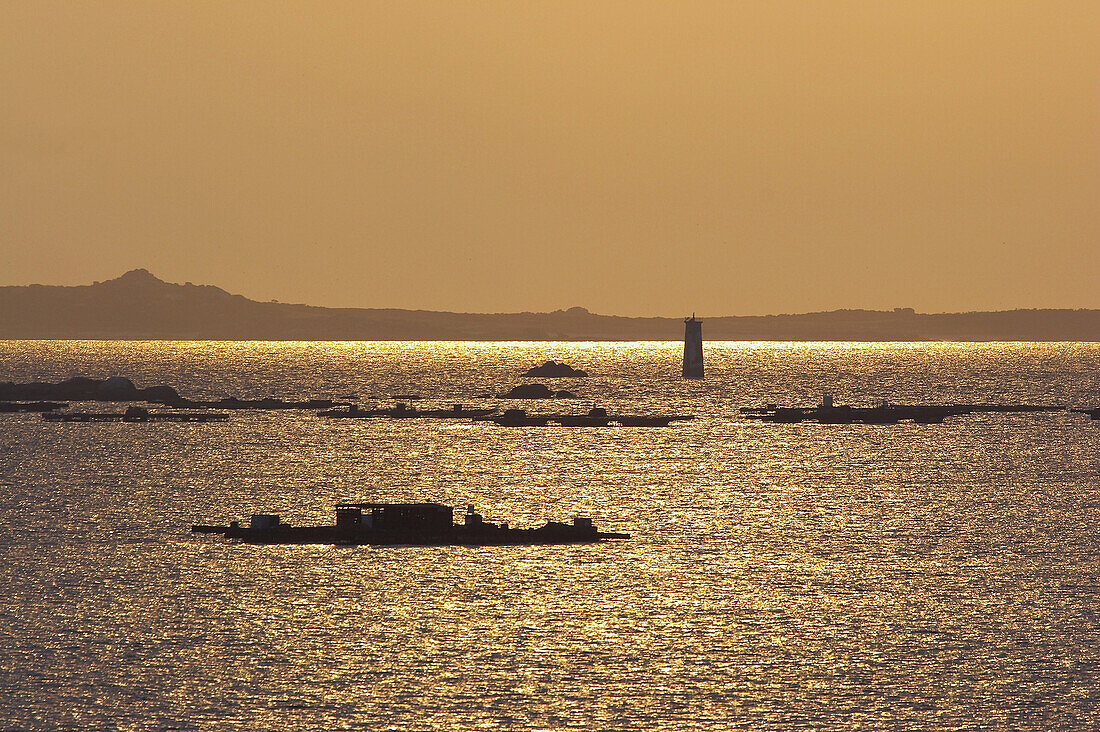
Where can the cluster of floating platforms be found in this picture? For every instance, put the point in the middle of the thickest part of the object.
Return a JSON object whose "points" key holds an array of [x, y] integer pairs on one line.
{"points": [[409, 524], [828, 413], [404, 411], [134, 414], [596, 417]]}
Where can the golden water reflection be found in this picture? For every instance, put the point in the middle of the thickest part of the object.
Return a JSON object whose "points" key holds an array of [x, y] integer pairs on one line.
{"points": [[780, 576]]}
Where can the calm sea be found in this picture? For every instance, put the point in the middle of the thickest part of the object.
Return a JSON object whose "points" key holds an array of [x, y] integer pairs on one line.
{"points": [[905, 577]]}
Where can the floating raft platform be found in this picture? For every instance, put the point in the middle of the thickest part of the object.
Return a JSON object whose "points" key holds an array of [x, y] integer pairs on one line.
{"points": [[1092, 413], [10, 407], [828, 413], [269, 403], [409, 524], [596, 417], [134, 414], [403, 411]]}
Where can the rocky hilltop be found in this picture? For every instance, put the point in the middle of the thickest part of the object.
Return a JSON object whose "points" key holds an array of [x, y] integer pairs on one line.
{"points": [[138, 305]]}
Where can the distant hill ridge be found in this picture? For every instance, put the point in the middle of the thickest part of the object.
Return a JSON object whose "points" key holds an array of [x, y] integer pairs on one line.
{"points": [[138, 305]]}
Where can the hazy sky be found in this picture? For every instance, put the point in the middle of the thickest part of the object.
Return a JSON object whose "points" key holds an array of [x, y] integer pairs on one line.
{"points": [[633, 158]]}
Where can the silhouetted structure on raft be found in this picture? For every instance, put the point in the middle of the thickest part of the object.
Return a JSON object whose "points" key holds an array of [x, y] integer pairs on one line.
{"points": [[419, 524], [552, 370], [596, 417], [693, 348], [520, 418]]}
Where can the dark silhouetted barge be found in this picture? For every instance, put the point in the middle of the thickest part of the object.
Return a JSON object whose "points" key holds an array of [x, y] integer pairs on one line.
{"points": [[415, 524], [596, 417], [829, 413]]}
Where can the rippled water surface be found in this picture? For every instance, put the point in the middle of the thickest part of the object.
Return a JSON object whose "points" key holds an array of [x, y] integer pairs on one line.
{"points": [[780, 576]]}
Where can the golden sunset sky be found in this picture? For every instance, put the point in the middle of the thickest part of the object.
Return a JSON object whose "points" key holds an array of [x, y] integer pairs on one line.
{"points": [[634, 158]]}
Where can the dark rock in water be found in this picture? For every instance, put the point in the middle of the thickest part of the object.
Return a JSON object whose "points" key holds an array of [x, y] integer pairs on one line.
{"points": [[553, 370], [121, 389], [84, 389], [135, 414], [537, 391], [530, 391], [161, 394], [116, 387]]}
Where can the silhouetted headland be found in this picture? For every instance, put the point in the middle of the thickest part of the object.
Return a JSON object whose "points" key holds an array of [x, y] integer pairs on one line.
{"points": [[137, 305]]}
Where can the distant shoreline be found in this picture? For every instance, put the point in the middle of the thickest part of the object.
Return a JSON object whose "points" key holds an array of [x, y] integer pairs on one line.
{"points": [[138, 306]]}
